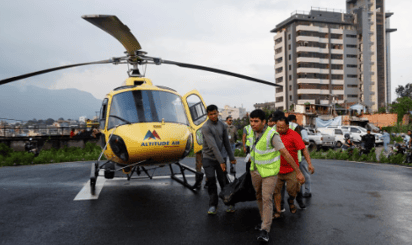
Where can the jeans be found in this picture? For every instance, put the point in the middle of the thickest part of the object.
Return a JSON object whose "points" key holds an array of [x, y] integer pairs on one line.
{"points": [[304, 168], [211, 167], [385, 147]]}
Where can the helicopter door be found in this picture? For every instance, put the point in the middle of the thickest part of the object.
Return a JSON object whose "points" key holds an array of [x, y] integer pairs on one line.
{"points": [[196, 113]]}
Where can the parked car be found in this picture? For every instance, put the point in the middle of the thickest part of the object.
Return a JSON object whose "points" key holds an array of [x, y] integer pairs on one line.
{"points": [[356, 133], [320, 139], [339, 134]]}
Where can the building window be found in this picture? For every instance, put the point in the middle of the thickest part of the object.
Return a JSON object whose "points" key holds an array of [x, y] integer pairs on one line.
{"points": [[279, 79], [290, 87], [290, 97], [350, 36], [351, 66], [279, 40], [352, 96], [290, 57], [289, 46], [351, 56], [351, 45], [289, 37], [352, 86], [352, 76], [290, 77], [290, 67], [279, 99]]}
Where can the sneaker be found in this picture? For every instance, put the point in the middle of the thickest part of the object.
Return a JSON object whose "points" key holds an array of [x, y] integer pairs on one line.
{"points": [[263, 236], [212, 210], [301, 204], [230, 209], [307, 195]]}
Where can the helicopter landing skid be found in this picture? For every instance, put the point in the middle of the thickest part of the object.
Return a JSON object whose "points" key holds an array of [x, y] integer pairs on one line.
{"points": [[183, 180]]}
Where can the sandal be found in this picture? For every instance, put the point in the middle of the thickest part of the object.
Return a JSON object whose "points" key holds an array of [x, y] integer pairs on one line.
{"points": [[292, 206], [277, 215]]}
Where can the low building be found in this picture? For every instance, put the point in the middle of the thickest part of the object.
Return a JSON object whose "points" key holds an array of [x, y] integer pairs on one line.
{"points": [[235, 112]]}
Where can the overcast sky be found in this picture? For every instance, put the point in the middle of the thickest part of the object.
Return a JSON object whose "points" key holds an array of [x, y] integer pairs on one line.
{"points": [[232, 35]]}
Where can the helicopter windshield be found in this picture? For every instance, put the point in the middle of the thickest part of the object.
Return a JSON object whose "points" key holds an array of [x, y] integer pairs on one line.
{"points": [[146, 106]]}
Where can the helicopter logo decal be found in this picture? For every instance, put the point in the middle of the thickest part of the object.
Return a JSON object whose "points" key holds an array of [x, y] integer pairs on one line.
{"points": [[151, 135]]}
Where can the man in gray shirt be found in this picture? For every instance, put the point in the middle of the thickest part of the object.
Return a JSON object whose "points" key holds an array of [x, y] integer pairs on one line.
{"points": [[215, 138]]}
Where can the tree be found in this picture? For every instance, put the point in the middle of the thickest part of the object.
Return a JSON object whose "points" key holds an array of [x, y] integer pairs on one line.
{"points": [[49, 121], [382, 110], [402, 106], [406, 91]]}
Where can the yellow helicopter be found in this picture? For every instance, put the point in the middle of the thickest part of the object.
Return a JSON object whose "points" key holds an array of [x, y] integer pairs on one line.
{"points": [[144, 126]]}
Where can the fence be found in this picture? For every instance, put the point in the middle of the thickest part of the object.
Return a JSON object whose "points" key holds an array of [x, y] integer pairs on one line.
{"points": [[18, 131]]}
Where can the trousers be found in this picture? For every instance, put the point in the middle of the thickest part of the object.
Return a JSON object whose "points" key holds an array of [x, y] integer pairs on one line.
{"points": [[213, 170]]}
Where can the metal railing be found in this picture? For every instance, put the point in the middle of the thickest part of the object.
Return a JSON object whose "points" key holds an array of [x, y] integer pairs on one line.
{"points": [[19, 131]]}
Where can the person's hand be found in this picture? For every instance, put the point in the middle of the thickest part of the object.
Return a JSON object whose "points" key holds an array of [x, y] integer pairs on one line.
{"points": [[223, 166], [311, 169], [300, 178], [233, 162]]}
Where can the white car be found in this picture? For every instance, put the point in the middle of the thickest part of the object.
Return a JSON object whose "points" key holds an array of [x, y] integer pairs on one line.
{"points": [[339, 134], [356, 133]]}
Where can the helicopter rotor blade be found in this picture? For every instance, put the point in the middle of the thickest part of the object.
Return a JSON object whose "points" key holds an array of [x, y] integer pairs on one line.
{"points": [[12, 79], [205, 68], [112, 25]]}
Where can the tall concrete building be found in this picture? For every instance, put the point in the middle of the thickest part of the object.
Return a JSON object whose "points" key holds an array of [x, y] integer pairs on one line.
{"points": [[328, 57]]}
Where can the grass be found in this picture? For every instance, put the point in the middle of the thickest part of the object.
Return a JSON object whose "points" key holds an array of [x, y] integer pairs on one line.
{"points": [[354, 156], [8, 157]]}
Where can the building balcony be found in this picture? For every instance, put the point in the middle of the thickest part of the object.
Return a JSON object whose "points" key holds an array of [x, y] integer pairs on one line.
{"points": [[313, 91], [313, 60], [337, 62], [340, 72], [336, 51], [312, 81], [302, 102], [336, 41], [312, 28], [313, 49], [312, 39], [312, 70], [338, 82]]}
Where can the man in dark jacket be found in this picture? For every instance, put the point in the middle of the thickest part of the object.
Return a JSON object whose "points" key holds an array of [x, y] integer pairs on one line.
{"points": [[215, 138], [369, 141]]}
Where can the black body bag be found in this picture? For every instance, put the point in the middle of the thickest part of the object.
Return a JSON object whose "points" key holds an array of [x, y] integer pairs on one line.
{"points": [[240, 190]]}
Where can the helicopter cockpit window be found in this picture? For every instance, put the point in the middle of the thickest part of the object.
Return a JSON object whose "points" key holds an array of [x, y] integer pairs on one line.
{"points": [[197, 109], [103, 112], [146, 106]]}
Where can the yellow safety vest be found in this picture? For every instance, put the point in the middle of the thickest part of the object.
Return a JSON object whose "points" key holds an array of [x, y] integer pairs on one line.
{"points": [[249, 134], [263, 155]]}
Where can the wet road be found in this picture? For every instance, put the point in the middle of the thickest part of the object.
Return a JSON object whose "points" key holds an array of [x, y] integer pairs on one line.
{"points": [[352, 203]]}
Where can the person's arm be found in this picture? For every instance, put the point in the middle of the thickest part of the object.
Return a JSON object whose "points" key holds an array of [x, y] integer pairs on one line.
{"points": [[244, 141], [278, 145], [305, 153], [291, 161]]}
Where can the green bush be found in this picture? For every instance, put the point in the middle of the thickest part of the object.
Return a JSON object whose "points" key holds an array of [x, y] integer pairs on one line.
{"points": [[5, 151]]}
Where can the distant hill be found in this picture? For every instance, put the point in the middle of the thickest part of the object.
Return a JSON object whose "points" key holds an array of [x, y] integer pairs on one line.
{"points": [[26, 103]]}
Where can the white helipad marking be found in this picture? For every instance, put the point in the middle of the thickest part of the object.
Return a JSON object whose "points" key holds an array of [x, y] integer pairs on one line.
{"points": [[86, 193]]}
